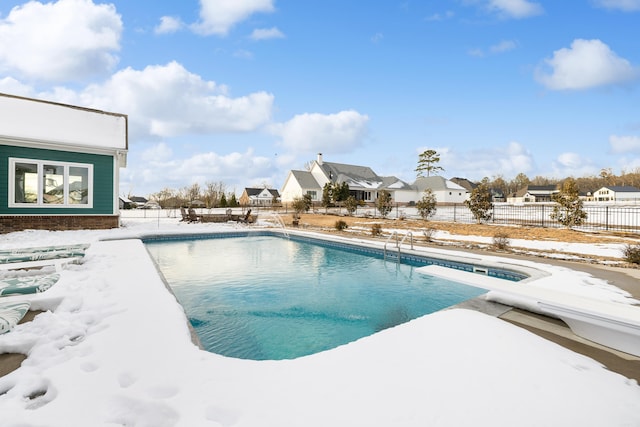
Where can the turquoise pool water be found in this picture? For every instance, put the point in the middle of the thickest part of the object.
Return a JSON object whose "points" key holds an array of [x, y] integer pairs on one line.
{"points": [[269, 298]]}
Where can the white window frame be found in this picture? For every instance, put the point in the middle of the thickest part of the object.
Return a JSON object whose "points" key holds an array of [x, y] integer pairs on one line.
{"points": [[40, 167]]}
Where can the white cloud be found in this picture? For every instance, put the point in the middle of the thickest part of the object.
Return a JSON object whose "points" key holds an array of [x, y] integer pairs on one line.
{"points": [[440, 16], [476, 164], [573, 164], [377, 37], [624, 144], [496, 49], [517, 9], [586, 64], [68, 39], [329, 133], [168, 24], [167, 100], [162, 167], [219, 16], [624, 5], [14, 87], [266, 33], [157, 154], [503, 46]]}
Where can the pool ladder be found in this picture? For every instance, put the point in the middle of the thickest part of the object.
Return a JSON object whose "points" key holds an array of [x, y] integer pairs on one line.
{"points": [[399, 243]]}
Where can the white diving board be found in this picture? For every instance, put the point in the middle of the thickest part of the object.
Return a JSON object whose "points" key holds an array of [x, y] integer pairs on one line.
{"points": [[612, 324]]}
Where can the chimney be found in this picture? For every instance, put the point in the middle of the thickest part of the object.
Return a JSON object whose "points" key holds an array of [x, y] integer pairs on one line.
{"points": [[319, 159]]}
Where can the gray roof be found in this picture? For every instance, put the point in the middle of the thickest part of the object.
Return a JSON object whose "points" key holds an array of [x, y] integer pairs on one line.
{"points": [[623, 189], [256, 191], [436, 183], [305, 179], [356, 173], [394, 183]]}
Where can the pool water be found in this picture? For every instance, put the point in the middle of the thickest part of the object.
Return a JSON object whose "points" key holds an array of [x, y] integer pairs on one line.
{"points": [[269, 298]]}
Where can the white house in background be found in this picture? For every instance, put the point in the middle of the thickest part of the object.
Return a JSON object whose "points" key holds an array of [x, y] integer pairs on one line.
{"points": [[446, 191], [534, 193], [618, 194], [364, 184], [259, 196]]}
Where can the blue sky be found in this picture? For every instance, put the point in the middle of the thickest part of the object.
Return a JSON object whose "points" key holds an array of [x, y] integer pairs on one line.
{"points": [[242, 91]]}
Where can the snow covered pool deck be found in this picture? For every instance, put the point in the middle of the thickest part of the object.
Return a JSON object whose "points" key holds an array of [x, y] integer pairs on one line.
{"points": [[113, 348]]}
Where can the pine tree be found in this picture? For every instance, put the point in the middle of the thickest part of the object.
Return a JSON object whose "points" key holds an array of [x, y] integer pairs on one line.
{"points": [[427, 162], [569, 210]]}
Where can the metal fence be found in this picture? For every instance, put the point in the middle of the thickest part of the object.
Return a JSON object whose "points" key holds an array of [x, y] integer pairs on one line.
{"points": [[599, 217]]}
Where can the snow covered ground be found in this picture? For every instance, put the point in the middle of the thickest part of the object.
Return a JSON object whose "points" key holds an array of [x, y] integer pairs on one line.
{"points": [[114, 349]]}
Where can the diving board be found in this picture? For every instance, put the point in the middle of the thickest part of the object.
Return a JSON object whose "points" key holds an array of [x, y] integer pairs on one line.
{"points": [[611, 324]]}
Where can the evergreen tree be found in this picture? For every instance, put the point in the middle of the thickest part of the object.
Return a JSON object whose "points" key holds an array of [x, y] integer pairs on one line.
{"points": [[340, 192], [384, 203], [479, 202], [223, 201], [569, 209], [428, 162], [308, 202], [427, 205], [327, 195], [233, 202]]}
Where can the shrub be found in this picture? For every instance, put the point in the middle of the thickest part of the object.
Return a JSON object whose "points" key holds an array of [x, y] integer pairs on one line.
{"points": [[427, 205], [501, 241], [384, 203], [428, 234], [340, 225], [376, 230], [632, 253]]}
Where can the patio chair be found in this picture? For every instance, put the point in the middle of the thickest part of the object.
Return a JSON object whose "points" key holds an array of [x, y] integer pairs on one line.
{"points": [[193, 216], [246, 218], [185, 215]]}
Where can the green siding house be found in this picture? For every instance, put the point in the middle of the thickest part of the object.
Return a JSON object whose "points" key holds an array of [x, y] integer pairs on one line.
{"points": [[59, 165]]}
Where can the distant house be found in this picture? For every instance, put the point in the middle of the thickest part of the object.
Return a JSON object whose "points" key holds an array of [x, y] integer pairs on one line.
{"points": [[365, 185], [497, 195], [618, 194], [138, 200], [259, 196], [465, 183], [59, 165], [446, 191], [534, 194], [363, 182]]}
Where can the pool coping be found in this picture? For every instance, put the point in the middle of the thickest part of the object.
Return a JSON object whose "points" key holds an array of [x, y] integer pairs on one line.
{"points": [[462, 261]]}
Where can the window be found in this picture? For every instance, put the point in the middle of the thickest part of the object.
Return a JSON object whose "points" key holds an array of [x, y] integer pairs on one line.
{"points": [[313, 194], [38, 183]]}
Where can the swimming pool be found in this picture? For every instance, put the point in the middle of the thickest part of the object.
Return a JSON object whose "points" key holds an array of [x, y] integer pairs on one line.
{"points": [[263, 297]]}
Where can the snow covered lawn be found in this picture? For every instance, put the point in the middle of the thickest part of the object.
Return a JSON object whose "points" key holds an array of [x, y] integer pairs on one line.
{"points": [[113, 349]]}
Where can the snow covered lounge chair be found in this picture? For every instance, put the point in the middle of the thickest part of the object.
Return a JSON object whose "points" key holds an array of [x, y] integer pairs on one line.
{"points": [[11, 313], [22, 285], [33, 257], [79, 247], [38, 254]]}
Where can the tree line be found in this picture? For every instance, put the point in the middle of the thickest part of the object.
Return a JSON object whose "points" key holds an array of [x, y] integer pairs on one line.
{"points": [[213, 195]]}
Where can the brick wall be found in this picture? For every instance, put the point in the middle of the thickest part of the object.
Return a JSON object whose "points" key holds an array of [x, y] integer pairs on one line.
{"points": [[9, 224]]}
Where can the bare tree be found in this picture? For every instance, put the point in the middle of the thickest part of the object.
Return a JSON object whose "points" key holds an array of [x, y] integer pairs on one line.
{"points": [[213, 192]]}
